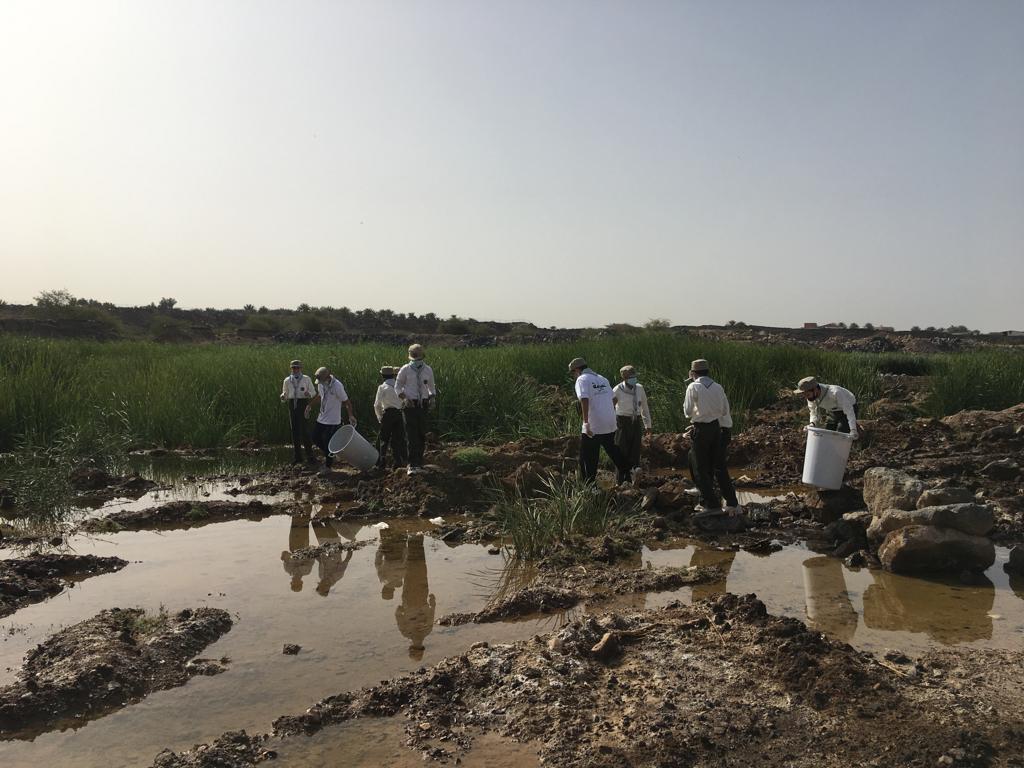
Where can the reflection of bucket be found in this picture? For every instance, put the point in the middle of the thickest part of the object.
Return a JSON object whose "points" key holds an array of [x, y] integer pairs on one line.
{"points": [[825, 459], [353, 448]]}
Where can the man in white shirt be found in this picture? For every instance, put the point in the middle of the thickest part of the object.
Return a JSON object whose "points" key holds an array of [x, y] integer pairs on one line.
{"points": [[331, 396], [388, 408], [831, 406], [415, 387], [296, 391], [596, 399], [632, 416], [707, 408]]}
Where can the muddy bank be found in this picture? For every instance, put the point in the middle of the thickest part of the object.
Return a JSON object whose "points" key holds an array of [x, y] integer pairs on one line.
{"points": [[183, 514], [98, 665], [558, 590], [31, 579], [700, 685]]}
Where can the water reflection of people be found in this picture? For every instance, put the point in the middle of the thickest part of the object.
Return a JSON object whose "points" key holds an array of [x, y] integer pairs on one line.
{"points": [[947, 613], [402, 562], [704, 557], [298, 538], [331, 564], [828, 603]]}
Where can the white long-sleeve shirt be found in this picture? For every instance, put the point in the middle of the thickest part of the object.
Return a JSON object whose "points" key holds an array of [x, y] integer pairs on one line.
{"points": [[332, 397], [706, 401], [632, 401], [415, 385], [387, 397], [297, 388], [833, 398]]}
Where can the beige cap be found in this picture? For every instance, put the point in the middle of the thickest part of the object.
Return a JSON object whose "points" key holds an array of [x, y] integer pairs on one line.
{"points": [[416, 352], [577, 362], [323, 370], [805, 384], [388, 370], [699, 364], [627, 369], [296, 363]]}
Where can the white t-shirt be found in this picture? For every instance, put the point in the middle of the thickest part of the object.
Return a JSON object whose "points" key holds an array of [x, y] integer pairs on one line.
{"points": [[332, 395], [706, 401], [598, 392]]}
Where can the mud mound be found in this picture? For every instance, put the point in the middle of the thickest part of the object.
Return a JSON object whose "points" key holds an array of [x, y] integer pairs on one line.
{"points": [[235, 749], [184, 514], [31, 579], [103, 663], [330, 548], [718, 683]]}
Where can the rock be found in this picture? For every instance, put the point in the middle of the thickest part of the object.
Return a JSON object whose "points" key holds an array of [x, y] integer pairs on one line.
{"points": [[1002, 432], [650, 499], [972, 519], [886, 488], [291, 649], [1003, 469], [673, 495], [937, 497], [925, 549], [710, 522], [829, 506], [1016, 562]]}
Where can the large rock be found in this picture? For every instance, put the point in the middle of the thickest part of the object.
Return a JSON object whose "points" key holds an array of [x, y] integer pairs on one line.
{"points": [[673, 495], [886, 488], [972, 519], [1004, 469], [937, 497], [925, 549]]}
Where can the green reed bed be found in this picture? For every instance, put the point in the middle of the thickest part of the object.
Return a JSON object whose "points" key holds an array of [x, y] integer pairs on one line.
{"points": [[212, 395]]}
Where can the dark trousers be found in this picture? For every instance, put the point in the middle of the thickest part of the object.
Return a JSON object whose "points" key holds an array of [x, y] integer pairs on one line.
{"points": [[629, 432], [837, 421], [300, 428], [322, 434], [392, 434], [590, 452], [704, 449], [725, 485], [416, 432]]}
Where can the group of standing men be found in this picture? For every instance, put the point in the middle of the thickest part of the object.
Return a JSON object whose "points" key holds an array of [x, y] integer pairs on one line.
{"points": [[403, 399], [614, 418]]}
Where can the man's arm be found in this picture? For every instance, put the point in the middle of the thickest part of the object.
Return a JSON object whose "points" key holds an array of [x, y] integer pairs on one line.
{"points": [[645, 407], [378, 406], [351, 415], [846, 400], [690, 402], [284, 389], [816, 418], [585, 403], [313, 401], [403, 374]]}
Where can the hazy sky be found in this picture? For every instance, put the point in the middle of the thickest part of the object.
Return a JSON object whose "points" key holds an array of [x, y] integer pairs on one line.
{"points": [[569, 162]]}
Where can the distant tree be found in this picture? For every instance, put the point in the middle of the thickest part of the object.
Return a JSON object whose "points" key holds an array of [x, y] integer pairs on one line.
{"points": [[249, 308], [915, 329], [263, 310], [930, 328], [345, 312], [730, 324], [853, 326], [304, 307], [657, 324], [58, 298], [869, 326], [3, 303], [167, 303]]}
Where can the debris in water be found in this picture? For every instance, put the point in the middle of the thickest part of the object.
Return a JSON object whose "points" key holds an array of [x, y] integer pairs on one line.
{"points": [[380, 526], [437, 520]]}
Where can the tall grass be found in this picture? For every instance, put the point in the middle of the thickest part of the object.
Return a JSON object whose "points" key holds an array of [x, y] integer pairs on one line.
{"points": [[211, 395]]}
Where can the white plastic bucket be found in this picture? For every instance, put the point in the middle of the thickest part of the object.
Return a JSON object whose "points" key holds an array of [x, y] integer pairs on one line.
{"points": [[826, 457], [353, 448]]}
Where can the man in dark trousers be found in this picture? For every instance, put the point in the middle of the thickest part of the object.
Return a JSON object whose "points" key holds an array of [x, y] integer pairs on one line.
{"points": [[707, 408], [297, 391], [388, 408], [596, 400], [415, 386]]}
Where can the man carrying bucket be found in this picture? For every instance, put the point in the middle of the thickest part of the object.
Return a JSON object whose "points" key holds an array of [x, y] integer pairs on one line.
{"points": [[415, 387], [707, 408], [297, 391], [331, 395], [831, 406]]}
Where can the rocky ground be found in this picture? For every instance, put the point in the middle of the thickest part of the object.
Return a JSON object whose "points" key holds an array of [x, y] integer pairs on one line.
{"points": [[718, 683], [98, 665], [182, 514], [35, 577]]}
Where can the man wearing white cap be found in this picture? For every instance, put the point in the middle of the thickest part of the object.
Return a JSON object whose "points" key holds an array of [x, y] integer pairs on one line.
{"points": [[387, 405], [707, 408], [415, 386], [297, 391], [632, 416], [332, 396], [831, 406], [596, 399]]}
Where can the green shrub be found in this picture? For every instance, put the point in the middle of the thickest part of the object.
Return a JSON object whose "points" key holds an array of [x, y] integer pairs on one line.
{"points": [[471, 457]]}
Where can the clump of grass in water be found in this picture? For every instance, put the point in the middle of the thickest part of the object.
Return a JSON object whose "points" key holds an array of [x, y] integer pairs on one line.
{"points": [[561, 511], [468, 458], [196, 513], [149, 623]]}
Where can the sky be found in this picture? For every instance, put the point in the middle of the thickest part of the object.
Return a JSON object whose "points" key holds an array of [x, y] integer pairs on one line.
{"points": [[566, 162]]}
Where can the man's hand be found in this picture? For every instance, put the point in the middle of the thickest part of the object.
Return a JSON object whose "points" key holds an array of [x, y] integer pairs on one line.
{"points": [[587, 429], [352, 420], [854, 434], [307, 411]]}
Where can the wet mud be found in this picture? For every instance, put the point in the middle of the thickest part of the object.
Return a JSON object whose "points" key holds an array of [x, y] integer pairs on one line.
{"points": [[101, 664], [181, 514], [30, 579], [683, 685]]}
